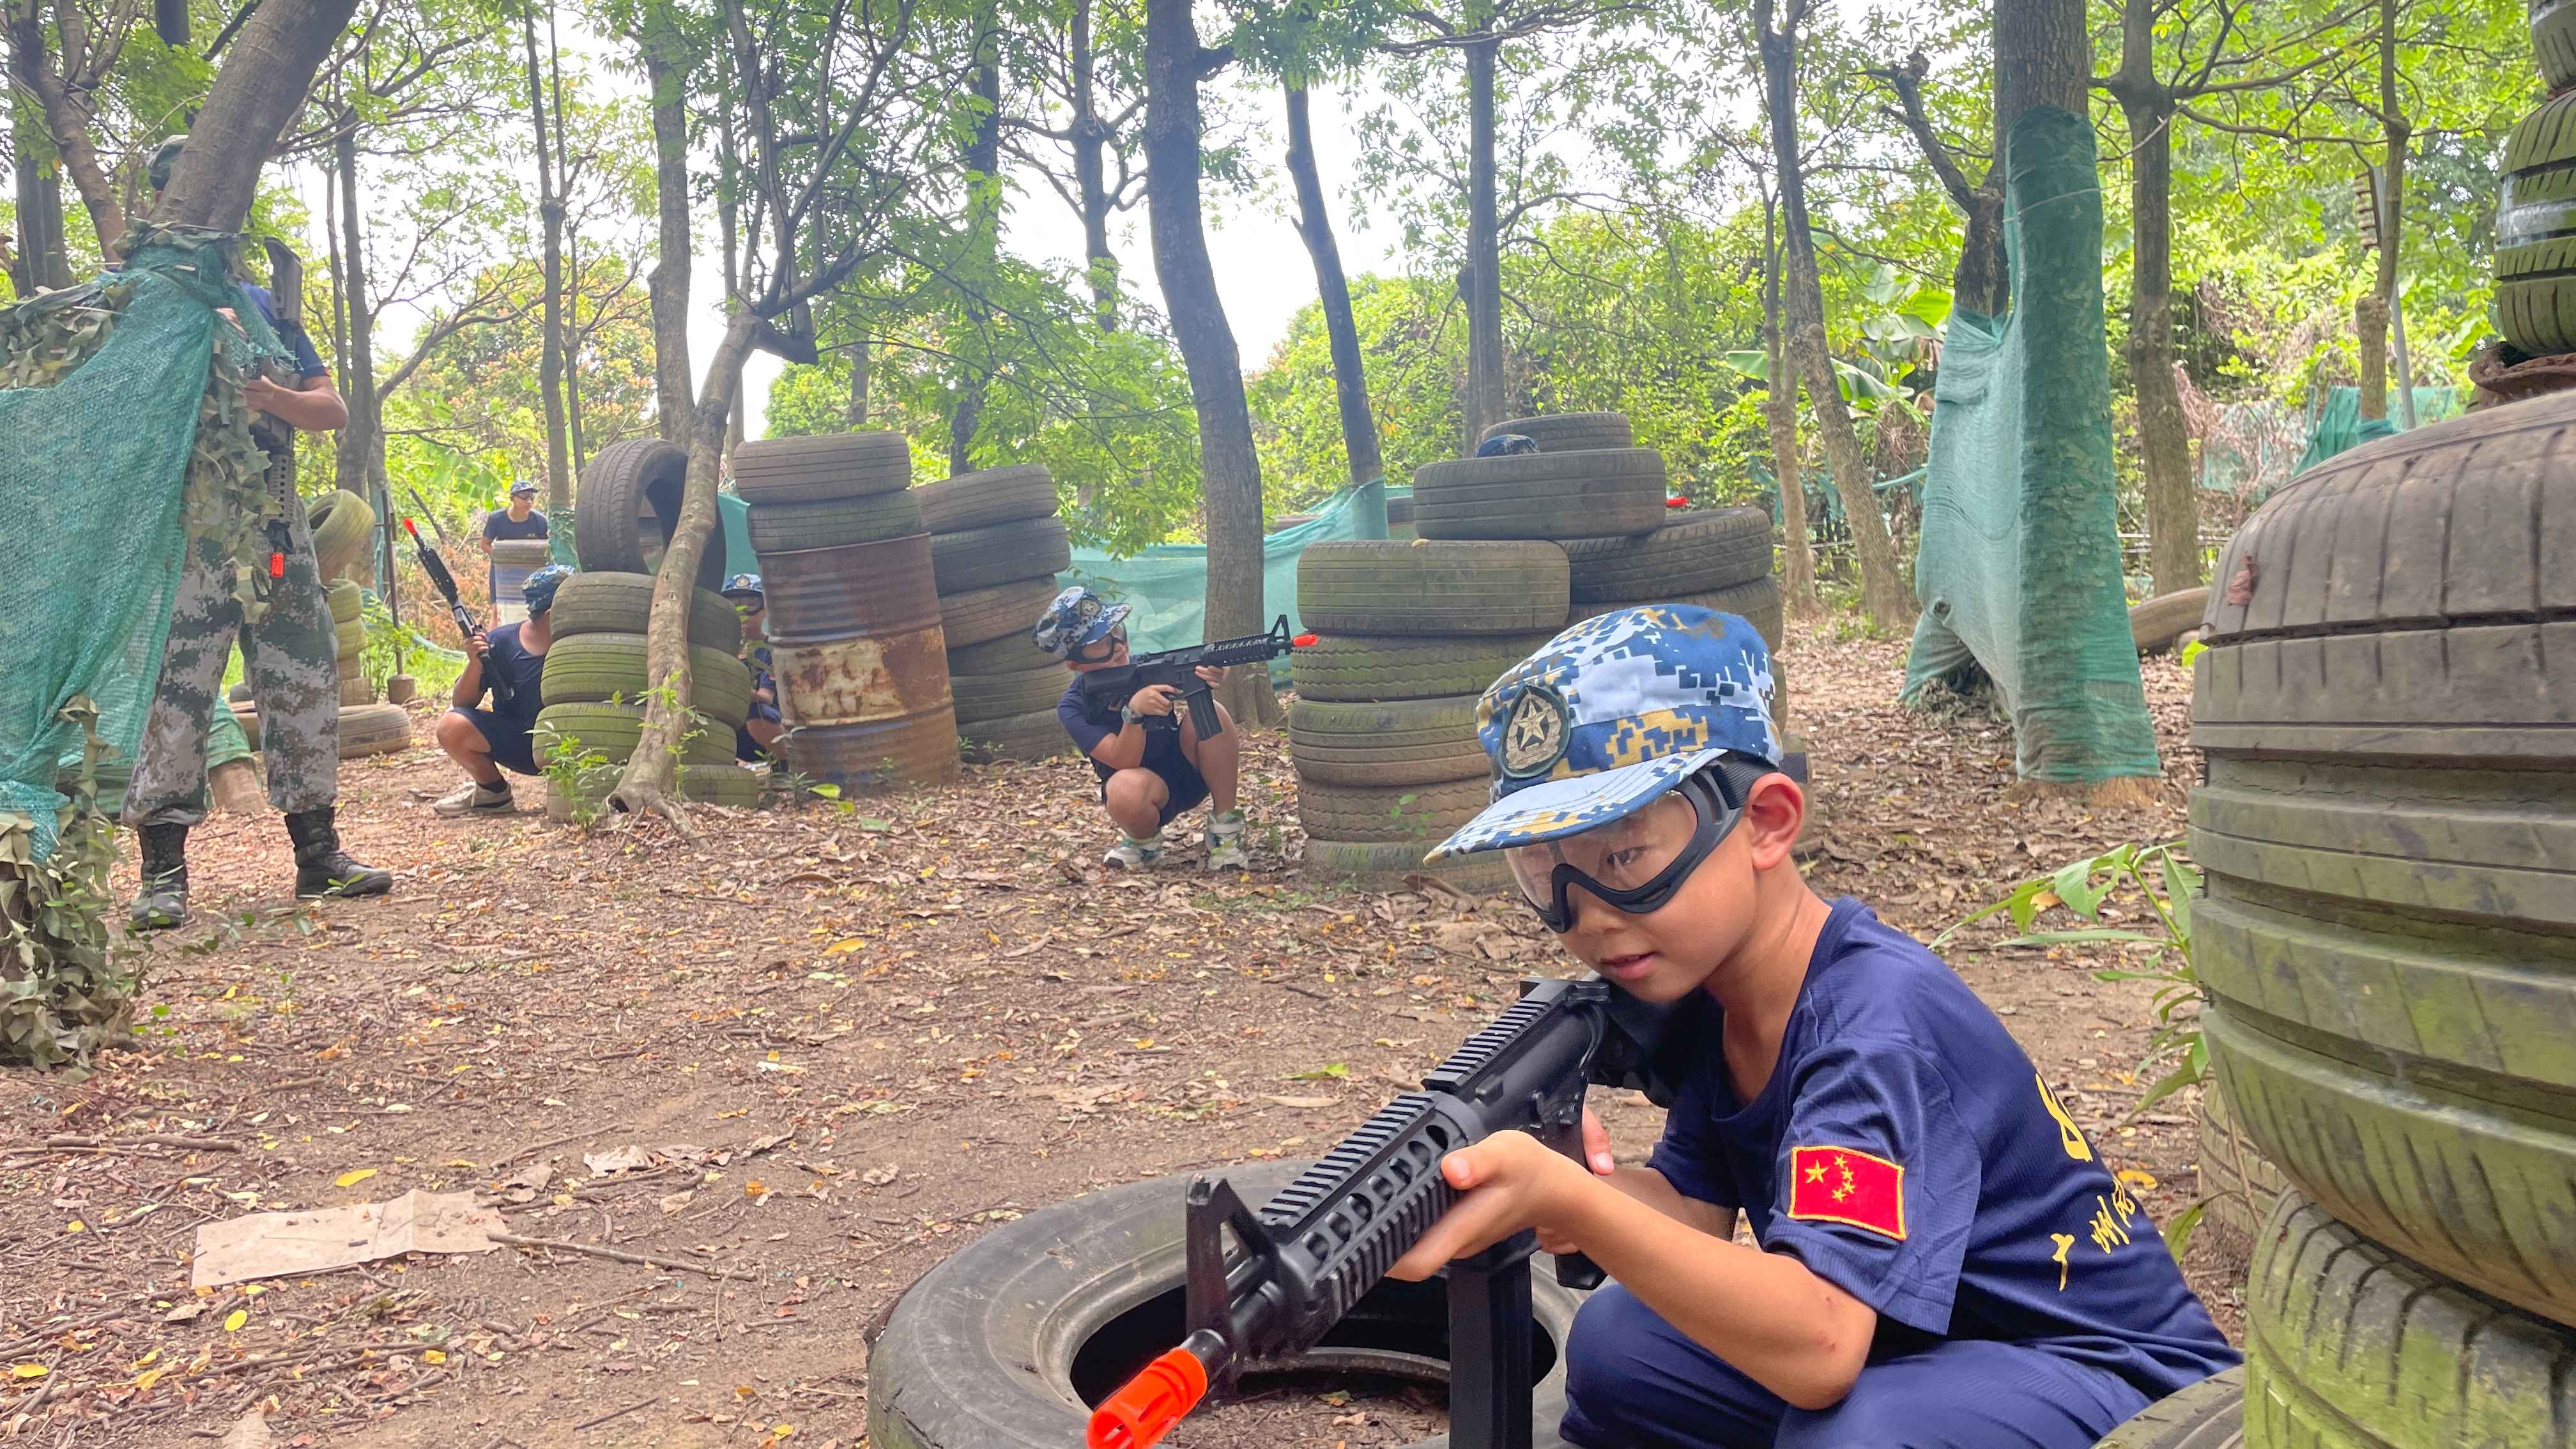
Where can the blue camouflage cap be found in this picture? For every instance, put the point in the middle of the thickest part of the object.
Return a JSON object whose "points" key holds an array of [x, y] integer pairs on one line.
{"points": [[1610, 714], [744, 584], [539, 590], [1077, 617]]}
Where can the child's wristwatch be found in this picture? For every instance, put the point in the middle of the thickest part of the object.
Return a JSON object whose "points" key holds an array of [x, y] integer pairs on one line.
{"points": [[1127, 715]]}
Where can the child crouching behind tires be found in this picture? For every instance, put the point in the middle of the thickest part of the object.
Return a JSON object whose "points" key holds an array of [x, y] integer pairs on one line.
{"points": [[1940, 1259], [1153, 766]]}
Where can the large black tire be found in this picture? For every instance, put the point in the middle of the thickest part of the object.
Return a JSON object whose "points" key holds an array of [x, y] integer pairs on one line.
{"points": [[1007, 1343], [612, 730], [2350, 1346], [2535, 267], [1010, 654], [1595, 494], [1038, 735], [2208, 1415], [373, 729], [1757, 603], [2553, 37], [1385, 587], [1373, 668], [1568, 432], [2388, 711], [590, 668], [1383, 865], [831, 522], [981, 697], [342, 523], [1424, 814], [832, 465], [628, 489], [1691, 554], [980, 500], [1409, 742], [979, 558], [976, 616], [622, 603], [2155, 624]]}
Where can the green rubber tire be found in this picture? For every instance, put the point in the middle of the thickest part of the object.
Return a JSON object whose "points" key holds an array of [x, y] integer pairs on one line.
{"points": [[977, 616], [1378, 668], [622, 603], [2535, 260], [1757, 603], [612, 730], [346, 599], [1010, 654], [1406, 742], [592, 668], [2208, 1415], [1424, 814], [831, 522], [1384, 587], [373, 729], [2351, 1346], [2553, 39], [1383, 865], [980, 500], [349, 635], [1000, 553], [1037, 735], [1568, 432], [728, 785], [823, 466], [981, 697], [1692, 553], [1594, 494], [341, 522]]}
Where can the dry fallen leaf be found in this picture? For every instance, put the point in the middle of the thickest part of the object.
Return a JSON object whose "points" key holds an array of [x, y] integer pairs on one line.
{"points": [[235, 1319], [1303, 1101], [353, 1177]]}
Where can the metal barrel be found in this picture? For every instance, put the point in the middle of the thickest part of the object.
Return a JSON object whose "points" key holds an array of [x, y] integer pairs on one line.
{"points": [[861, 664]]}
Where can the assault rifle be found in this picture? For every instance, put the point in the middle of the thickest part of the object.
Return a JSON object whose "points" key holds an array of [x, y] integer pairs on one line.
{"points": [[1105, 691], [436, 567], [1329, 1236]]}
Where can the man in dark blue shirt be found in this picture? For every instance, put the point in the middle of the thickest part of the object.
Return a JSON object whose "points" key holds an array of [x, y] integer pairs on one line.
{"points": [[487, 741], [519, 520], [1941, 1259]]}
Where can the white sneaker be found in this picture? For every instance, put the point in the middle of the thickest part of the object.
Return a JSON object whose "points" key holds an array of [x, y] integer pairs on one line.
{"points": [[477, 799], [1134, 854], [1225, 842]]}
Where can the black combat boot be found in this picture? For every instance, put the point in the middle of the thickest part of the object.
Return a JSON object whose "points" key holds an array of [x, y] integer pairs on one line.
{"points": [[322, 868], [163, 902]]}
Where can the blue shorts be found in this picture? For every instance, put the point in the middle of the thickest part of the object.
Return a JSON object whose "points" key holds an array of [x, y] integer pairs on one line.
{"points": [[512, 741], [1163, 756], [1633, 1381]]}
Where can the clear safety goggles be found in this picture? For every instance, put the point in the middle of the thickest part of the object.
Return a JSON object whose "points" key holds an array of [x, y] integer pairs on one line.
{"points": [[1635, 864]]}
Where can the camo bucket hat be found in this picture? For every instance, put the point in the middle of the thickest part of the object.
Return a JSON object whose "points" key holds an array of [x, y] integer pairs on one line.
{"points": [[1077, 617]]}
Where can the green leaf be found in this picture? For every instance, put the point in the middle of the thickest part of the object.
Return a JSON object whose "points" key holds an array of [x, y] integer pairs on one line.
{"points": [[2076, 938], [2074, 884], [1756, 365], [2178, 1232], [1330, 1071], [2190, 652], [2189, 1073]]}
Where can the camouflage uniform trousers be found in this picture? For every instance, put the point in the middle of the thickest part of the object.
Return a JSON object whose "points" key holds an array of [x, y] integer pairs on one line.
{"points": [[292, 658]]}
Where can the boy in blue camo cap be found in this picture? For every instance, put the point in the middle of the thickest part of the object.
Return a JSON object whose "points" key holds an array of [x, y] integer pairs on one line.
{"points": [[1942, 1261], [1153, 765]]}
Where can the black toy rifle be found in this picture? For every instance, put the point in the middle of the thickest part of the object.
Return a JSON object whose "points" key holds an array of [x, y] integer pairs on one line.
{"points": [[1106, 691], [1318, 1246], [436, 567]]}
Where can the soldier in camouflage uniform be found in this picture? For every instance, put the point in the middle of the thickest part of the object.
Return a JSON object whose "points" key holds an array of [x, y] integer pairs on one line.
{"points": [[290, 652]]}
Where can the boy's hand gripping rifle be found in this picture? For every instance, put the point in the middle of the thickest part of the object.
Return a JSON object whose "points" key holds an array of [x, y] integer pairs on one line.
{"points": [[1105, 691], [1327, 1238], [436, 567]]}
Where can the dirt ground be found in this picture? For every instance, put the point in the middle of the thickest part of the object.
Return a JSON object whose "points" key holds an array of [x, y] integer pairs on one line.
{"points": [[842, 1046]]}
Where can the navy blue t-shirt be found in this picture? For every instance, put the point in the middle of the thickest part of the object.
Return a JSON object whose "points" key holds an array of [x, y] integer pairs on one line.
{"points": [[2009, 1226], [525, 671], [308, 363]]}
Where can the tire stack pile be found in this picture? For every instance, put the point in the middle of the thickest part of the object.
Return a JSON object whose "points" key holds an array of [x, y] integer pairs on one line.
{"points": [[2387, 944], [342, 524], [595, 680], [513, 559], [853, 620], [1383, 729], [2535, 295], [996, 546]]}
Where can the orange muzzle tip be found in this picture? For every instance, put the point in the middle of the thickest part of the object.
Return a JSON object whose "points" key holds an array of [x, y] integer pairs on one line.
{"points": [[1304, 641], [1145, 1410], [277, 566]]}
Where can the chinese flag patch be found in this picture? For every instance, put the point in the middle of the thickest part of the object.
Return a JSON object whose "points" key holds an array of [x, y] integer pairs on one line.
{"points": [[1847, 1185]]}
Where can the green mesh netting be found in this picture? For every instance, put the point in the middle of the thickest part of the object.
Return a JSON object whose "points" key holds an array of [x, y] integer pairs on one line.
{"points": [[2019, 569], [121, 401], [2341, 427]]}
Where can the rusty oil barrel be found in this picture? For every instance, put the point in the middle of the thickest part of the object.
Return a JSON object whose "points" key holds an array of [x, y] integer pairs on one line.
{"points": [[861, 664]]}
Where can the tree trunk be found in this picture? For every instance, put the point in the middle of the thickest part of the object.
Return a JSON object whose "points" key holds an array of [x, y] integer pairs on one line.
{"points": [[1484, 271], [260, 87], [1091, 139], [42, 259], [1229, 469], [357, 444], [860, 357], [1315, 226], [984, 240], [650, 781], [2370, 314], [666, 70], [2173, 505], [1882, 587], [550, 360], [1780, 409], [2043, 57], [65, 116]]}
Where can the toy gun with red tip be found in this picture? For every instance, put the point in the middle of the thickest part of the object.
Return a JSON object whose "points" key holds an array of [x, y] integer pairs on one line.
{"points": [[1318, 1246], [445, 582], [1106, 691]]}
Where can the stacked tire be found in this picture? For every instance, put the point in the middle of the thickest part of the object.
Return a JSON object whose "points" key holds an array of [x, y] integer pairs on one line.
{"points": [[2387, 705], [513, 559], [596, 680], [853, 620], [996, 546], [341, 525], [2535, 292], [1383, 730]]}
